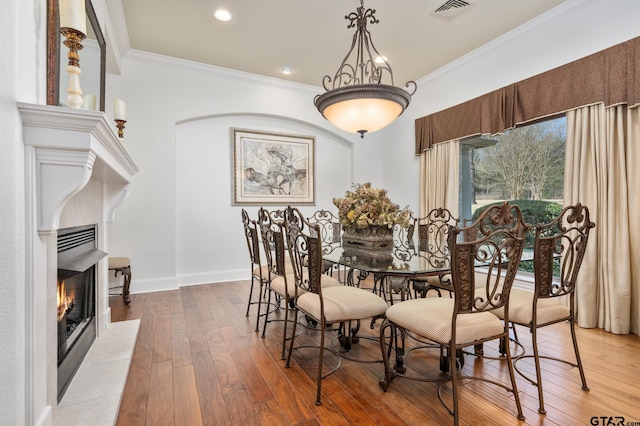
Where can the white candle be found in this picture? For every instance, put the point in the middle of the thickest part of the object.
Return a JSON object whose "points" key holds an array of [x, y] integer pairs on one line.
{"points": [[73, 15], [120, 110], [89, 102]]}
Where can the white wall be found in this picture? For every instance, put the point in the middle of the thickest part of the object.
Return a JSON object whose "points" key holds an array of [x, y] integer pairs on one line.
{"points": [[178, 225], [23, 74], [209, 230], [571, 31]]}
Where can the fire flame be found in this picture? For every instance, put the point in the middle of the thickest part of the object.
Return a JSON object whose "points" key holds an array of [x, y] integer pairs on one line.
{"points": [[65, 301]]}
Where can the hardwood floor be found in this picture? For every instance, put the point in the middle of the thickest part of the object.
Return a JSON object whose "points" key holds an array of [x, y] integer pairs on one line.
{"points": [[198, 361]]}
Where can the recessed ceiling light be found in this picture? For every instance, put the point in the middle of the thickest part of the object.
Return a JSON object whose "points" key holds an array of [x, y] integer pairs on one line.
{"points": [[381, 59], [286, 69], [222, 15]]}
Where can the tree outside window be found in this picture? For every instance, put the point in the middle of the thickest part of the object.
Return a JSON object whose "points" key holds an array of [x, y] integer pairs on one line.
{"points": [[524, 165]]}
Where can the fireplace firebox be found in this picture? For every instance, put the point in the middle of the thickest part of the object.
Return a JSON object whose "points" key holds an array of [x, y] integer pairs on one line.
{"points": [[77, 259]]}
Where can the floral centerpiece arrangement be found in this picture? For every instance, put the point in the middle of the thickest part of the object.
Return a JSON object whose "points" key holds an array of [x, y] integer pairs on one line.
{"points": [[364, 206], [367, 217]]}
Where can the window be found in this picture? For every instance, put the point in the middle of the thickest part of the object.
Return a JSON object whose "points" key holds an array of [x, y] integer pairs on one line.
{"points": [[524, 165]]}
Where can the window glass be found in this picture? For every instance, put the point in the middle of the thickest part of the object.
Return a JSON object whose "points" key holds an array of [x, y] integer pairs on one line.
{"points": [[524, 165]]}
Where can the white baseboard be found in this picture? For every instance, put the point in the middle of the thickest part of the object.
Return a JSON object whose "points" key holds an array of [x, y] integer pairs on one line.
{"points": [[173, 283], [213, 277], [153, 284]]}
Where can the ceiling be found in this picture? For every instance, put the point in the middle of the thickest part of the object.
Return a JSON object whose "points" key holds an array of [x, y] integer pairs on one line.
{"points": [[312, 35]]}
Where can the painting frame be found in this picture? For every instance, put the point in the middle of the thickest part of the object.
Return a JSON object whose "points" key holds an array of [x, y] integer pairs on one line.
{"points": [[271, 168]]}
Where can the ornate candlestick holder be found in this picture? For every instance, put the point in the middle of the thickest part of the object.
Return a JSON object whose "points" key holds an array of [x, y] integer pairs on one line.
{"points": [[120, 126], [73, 40]]}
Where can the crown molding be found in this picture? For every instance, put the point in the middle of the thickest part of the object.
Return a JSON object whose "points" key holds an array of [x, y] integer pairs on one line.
{"points": [[225, 72], [117, 35]]}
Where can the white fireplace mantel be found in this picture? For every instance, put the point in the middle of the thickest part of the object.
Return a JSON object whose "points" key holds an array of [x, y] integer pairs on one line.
{"points": [[68, 151], [72, 146]]}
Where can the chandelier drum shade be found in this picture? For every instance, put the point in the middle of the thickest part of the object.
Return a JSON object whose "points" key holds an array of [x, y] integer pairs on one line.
{"points": [[356, 99]]}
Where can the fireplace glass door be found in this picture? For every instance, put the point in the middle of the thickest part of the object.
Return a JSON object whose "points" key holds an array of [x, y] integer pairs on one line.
{"points": [[76, 307]]}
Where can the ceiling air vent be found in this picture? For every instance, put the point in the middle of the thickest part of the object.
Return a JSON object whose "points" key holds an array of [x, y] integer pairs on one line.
{"points": [[451, 9]]}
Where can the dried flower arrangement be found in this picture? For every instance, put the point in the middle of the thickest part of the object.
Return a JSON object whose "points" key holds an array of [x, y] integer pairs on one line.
{"points": [[364, 206]]}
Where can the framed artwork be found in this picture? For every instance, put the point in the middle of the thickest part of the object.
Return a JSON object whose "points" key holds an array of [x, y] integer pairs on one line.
{"points": [[272, 168]]}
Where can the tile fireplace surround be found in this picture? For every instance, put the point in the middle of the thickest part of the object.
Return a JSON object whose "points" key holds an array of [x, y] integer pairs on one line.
{"points": [[77, 173]]}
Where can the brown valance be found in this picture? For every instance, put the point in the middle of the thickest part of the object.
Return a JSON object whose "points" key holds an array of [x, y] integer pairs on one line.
{"points": [[611, 76]]}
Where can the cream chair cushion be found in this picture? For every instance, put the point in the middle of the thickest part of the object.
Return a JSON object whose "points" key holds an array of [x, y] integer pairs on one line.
{"points": [[119, 262], [288, 269], [521, 308], [343, 303], [280, 285], [265, 272], [431, 318]]}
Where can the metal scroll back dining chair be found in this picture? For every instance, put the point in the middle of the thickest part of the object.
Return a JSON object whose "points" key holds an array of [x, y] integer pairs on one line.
{"points": [[462, 321], [559, 245], [259, 272], [330, 234], [499, 216], [339, 304], [433, 245], [272, 231], [281, 271], [330, 229]]}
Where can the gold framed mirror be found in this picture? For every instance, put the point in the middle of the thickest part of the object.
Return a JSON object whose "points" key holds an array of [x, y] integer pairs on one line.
{"points": [[92, 60]]}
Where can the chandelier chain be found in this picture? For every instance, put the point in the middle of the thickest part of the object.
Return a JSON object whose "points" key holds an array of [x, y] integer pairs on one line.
{"points": [[356, 99], [362, 68]]}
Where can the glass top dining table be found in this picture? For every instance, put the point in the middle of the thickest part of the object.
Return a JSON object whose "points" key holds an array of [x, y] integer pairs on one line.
{"points": [[405, 261], [393, 268], [402, 260]]}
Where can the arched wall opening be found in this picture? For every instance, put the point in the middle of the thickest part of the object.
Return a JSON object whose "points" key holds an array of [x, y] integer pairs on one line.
{"points": [[210, 244]]}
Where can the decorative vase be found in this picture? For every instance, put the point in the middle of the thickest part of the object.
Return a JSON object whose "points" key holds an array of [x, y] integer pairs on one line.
{"points": [[373, 237], [374, 243]]}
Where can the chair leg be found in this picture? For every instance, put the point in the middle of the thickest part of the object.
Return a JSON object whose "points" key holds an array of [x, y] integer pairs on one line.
{"points": [[293, 338], [400, 350], [454, 382], [259, 306], [578, 360], [323, 325], [515, 332], [286, 323], [250, 295], [266, 314], [512, 375], [126, 282], [478, 349], [536, 358], [386, 380], [126, 285]]}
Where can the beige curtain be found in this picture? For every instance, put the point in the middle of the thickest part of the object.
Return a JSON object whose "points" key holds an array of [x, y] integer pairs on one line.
{"points": [[601, 172], [633, 183], [439, 177]]}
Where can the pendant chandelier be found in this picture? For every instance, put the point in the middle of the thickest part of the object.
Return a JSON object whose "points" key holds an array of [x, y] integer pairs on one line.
{"points": [[356, 99]]}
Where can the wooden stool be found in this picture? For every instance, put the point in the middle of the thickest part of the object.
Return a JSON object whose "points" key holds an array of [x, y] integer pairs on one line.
{"points": [[122, 265]]}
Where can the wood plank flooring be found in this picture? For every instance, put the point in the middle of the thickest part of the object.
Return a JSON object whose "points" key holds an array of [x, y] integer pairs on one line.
{"points": [[198, 361]]}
